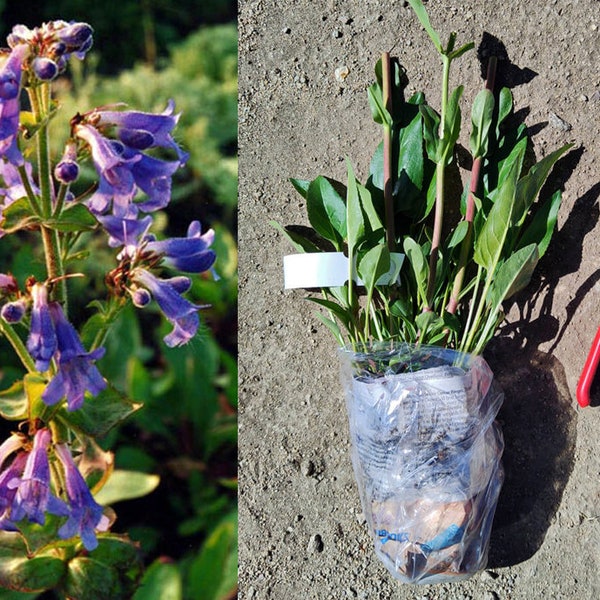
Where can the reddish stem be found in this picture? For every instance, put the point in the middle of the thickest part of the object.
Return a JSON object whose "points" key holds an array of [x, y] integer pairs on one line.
{"points": [[388, 181]]}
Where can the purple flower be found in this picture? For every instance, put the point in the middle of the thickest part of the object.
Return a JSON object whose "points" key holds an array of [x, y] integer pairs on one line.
{"points": [[86, 514], [77, 372], [141, 130], [7, 494], [179, 311], [13, 312], [33, 498], [125, 232], [45, 69], [10, 87], [55, 40], [116, 184], [41, 342], [190, 254], [8, 284], [123, 167]]}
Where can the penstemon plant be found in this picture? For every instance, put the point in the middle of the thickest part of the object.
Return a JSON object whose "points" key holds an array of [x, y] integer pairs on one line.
{"points": [[53, 533], [425, 278]]}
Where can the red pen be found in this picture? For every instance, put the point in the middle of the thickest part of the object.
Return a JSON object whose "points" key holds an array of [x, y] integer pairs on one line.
{"points": [[589, 370]]}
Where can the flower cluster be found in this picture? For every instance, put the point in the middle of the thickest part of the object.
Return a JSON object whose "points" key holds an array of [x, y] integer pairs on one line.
{"points": [[26, 489], [135, 157]]}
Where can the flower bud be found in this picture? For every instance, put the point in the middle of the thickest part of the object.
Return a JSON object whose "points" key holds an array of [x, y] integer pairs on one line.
{"points": [[76, 36], [67, 170], [44, 68], [13, 312], [140, 297]]}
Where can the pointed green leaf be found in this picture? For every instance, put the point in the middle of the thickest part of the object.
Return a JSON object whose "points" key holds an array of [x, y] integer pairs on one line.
{"points": [[301, 186], [326, 211], [18, 215], [481, 119], [422, 15], [542, 226], [452, 125], [505, 104], [419, 264], [332, 326], [530, 185], [374, 264], [100, 414], [490, 240], [513, 275], [378, 110], [300, 243], [126, 485], [354, 216], [431, 125], [74, 218]]}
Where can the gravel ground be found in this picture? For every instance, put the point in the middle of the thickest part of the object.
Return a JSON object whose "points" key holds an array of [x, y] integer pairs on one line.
{"points": [[302, 532]]}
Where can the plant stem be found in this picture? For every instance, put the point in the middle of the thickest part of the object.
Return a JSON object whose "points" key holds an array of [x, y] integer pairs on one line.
{"points": [[439, 190], [470, 215], [388, 181], [40, 103]]}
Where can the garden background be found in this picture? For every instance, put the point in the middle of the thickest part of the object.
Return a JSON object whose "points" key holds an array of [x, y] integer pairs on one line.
{"points": [[144, 54]]}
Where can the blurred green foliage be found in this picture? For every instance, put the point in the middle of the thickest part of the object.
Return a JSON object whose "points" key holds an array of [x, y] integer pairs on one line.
{"points": [[186, 433]]}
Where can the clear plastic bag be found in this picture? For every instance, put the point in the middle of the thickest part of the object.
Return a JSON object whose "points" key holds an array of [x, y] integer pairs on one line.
{"points": [[426, 455]]}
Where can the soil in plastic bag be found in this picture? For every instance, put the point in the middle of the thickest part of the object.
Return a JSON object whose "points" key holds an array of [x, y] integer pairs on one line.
{"points": [[426, 455]]}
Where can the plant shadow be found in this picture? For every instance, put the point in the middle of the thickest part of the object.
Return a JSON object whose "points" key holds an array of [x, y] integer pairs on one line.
{"points": [[538, 417]]}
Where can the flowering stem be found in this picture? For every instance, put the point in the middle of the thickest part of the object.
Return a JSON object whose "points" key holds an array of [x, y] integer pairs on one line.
{"points": [[31, 197], [40, 103], [18, 345]]}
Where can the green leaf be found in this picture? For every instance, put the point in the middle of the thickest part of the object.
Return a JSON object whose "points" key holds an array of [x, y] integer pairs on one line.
{"points": [[89, 579], [459, 233], [481, 119], [354, 216], [513, 275], [18, 215], [74, 218], [35, 385], [542, 226], [456, 53], [420, 267], [301, 186], [374, 264], [162, 581], [326, 211], [116, 551], [422, 15], [490, 241], [126, 485], [529, 186], [369, 210], [378, 111], [431, 126], [452, 125], [100, 414], [300, 243], [332, 326], [30, 574], [340, 312], [505, 104], [13, 402], [213, 573]]}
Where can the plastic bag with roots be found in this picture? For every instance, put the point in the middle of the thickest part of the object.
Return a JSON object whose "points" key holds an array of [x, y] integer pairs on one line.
{"points": [[426, 455]]}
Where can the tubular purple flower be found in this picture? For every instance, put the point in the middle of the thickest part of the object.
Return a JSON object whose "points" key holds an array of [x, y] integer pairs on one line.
{"points": [[86, 514], [157, 128], [181, 313], [190, 254], [77, 372], [41, 342], [117, 184], [7, 494], [10, 87], [33, 497]]}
